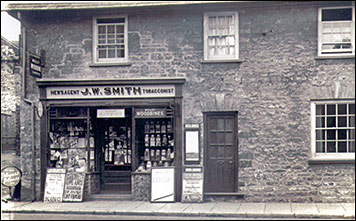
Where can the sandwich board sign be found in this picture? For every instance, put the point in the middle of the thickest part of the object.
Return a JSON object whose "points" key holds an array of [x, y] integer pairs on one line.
{"points": [[162, 184]]}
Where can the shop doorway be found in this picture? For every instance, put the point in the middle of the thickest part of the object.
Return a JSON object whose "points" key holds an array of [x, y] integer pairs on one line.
{"points": [[221, 145], [114, 147]]}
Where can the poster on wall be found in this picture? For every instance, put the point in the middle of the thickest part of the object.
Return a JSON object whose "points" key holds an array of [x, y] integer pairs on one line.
{"points": [[54, 185], [162, 184], [74, 187]]}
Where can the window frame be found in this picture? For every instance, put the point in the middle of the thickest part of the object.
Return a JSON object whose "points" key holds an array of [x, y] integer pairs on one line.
{"points": [[96, 59], [327, 156], [320, 35], [236, 35]]}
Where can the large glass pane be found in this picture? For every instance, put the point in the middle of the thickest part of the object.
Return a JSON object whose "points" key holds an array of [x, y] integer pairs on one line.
{"points": [[342, 122], [331, 147], [331, 109], [352, 146], [320, 147], [352, 134], [331, 122], [342, 109], [342, 134], [351, 108], [320, 109], [342, 147], [342, 14], [320, 122], [331, 135], [352, 121], [320, 134]]}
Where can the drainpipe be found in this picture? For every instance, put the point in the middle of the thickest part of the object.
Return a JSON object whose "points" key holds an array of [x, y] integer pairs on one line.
{"points": [[33, 169]]}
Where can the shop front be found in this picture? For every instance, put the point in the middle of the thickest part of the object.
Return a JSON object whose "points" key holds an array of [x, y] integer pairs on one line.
{"points": [[114, 131]]}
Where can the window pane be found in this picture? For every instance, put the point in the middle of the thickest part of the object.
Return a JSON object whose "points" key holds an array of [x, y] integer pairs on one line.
{"points": [[352, 134], [119, 29], [331, 122], [229, 139], [221, 124], [229, 124], [120, 53], [352, 121], [320, 134], [320, 109], [331, 109], [344, 14], [341, 134], [111, 52], [331, 134], [102, 53], [341, 147], [320, 147], [110, 20], [102, 30], [331, 147], [320, 122], [352, 146], [351, 108], [341, 108], [342, 122]]}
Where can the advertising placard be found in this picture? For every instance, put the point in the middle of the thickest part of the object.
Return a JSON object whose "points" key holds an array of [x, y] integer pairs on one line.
{"points": [[54, 185], [10, 176], [162, 184], [192, 185], [74, 187]]}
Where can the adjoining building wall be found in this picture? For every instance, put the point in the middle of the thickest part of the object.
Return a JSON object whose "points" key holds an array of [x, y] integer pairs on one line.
{"points": [[271, 87]]}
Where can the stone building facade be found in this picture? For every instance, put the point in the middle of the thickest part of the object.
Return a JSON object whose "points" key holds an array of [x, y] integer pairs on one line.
{"points": [[10, 94], [273, 84]]}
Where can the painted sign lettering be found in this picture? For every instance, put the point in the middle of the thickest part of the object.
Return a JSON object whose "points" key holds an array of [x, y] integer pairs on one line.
{"points": [[89, 92], [149, 113], [54, 185], [10, 176]]}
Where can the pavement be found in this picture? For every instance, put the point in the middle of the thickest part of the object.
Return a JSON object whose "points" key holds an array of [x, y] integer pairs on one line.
{"points": [[206, 209]]}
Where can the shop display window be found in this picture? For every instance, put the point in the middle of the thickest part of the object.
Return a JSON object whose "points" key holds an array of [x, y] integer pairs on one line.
{"points": [[71, 139]]}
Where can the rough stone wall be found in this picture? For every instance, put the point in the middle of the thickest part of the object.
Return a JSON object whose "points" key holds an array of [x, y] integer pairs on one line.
{"points": [[141, 186], [10, 95], [271, 88]]}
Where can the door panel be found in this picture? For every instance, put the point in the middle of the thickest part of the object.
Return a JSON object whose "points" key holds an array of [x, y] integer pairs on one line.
{"points": [[221, 152]]}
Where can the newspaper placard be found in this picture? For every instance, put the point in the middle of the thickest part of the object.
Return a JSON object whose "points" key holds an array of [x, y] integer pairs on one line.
{"points": [[162, 184], [74, 187], [54, 185]]}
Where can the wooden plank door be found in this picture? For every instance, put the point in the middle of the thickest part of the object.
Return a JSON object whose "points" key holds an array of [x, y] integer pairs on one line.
{"points": [[220, 152]]}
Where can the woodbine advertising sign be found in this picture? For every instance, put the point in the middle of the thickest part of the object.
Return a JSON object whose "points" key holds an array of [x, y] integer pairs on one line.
{"points": [[90, 92]]}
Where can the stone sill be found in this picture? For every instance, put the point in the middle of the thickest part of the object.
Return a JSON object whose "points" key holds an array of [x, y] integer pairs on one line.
{"points": [[330, 161], [325, 57], [141, 173], [225, 194], [221, 61], [127, 63]]}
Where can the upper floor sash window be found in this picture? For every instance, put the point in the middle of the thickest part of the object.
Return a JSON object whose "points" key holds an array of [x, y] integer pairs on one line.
{"points": [[336, 31], [110, 43]]}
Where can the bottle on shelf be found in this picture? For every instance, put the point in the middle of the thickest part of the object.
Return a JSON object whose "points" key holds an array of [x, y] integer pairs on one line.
{"points": [[147, 127], [158, 127], [158, 140], [164, 140], [152, 141], [147, 154], [163, 127], [152, 127], [158, 155], [147, 140], [169, 127]]}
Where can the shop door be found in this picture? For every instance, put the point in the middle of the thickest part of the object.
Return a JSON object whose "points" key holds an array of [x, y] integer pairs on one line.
{"points": [[114, 136], [220, 152]]}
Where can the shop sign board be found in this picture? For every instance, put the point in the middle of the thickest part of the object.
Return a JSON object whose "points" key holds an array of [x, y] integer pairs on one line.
{"points": [[192, 184], [150, 112], [192, 141], [110, 91], [74, 187], [35, 66], [110, 113], [10, 176], [54, 185], [162, 184]]}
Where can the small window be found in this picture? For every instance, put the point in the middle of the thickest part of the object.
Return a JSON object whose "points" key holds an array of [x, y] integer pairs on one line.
{"points": [[336, 31], [333, 130], [221, 39], [110, 40]]}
